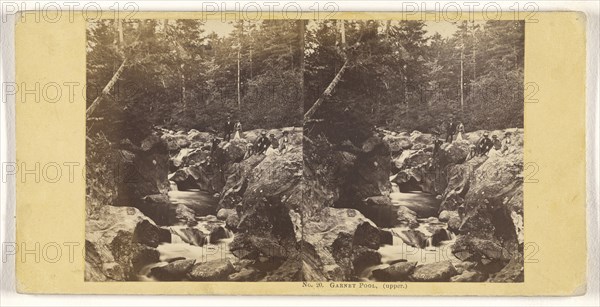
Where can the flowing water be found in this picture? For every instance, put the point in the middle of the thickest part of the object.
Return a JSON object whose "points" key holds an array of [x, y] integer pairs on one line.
{"points": [[408, 244], [203, 249]]}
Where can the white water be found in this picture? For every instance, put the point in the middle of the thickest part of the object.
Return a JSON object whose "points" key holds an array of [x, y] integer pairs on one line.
{"points": [[218, 250], [426, 206]]}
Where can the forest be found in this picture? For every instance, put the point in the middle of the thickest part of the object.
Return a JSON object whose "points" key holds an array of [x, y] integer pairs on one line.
{"points": [[400, 76], [177, 74]]}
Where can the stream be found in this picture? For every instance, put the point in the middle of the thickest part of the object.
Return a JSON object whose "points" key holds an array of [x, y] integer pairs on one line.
{"points": [[426, 206], [202, 249], [406, 246]]}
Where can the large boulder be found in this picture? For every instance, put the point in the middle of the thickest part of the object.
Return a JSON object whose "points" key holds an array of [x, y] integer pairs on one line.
{"points": [[159, 208], [251, 135], [469, 276], [223, 214], [362, 177], [233, 221], [175, 141], [246, 274], [364, 257], [420, 170], [329, 242], [199, 137], [290, 270], [446, 215], [112, 251], [215, 270], [400, 271], [150, 142], [218, 233], [174, 271], [151, 235], [434, 272], [420, 140], [245, 246], [236, 182], [457, 181], [407, 217], [512, 272], [413, 237], [205, 175], [179, 159], [379, 209], [192, 236], [452, 218], [367, 235], [142, 172], [492, 218], [346, 183], [267, 214], [453, 153], [235, 150], [411, 158], [195, 156], [397, 144], [274, 188], [183, 179]]}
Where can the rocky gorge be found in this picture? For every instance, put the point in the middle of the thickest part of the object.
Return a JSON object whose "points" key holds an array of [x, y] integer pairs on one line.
{"points": [[380, 207], [173, 207], [375, 208]]}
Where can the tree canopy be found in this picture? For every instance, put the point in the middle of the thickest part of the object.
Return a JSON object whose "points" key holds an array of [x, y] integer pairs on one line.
{"points": [[402, 77], [180, 74]]}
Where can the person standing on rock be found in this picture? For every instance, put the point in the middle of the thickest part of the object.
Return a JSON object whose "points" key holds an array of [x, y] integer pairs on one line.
{"points": [[437, 145], [450, 130], [283, 142], [238, 131], [484, 144], [228, 129], [263, 143], [460, 131], [506, 142]]}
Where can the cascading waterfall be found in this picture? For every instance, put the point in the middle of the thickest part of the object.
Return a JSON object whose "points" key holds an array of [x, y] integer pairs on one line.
{"points": [[415, 245], [192, 242]]}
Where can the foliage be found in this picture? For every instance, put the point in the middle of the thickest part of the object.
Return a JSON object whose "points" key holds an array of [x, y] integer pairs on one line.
{"points": [[405, 78], [182, 76]]}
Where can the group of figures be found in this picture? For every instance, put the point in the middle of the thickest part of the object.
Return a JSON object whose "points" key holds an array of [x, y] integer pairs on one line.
{"points": [[268, 145], [483, 147]]}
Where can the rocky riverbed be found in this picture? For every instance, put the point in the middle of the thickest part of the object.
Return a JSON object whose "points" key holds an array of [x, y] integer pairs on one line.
{"points": [[208, 223], [374, 208], [434, 219]]}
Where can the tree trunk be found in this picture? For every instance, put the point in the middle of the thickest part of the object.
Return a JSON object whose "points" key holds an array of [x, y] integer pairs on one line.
{"points": [[239, 99], [335, 80], [106, 89], [326, 93], [183, 90], [343, 29], [239, 94], [462, 100]]}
